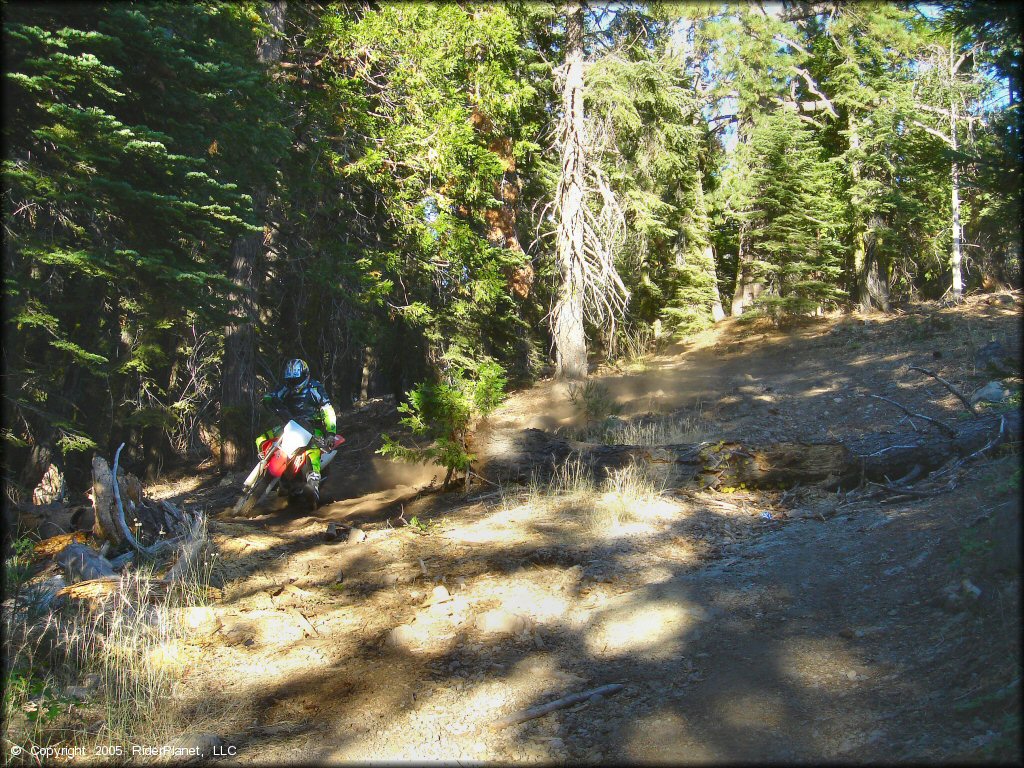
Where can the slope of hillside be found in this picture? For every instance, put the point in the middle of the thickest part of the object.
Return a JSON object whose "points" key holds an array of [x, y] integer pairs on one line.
{"points": [[792, 624]]}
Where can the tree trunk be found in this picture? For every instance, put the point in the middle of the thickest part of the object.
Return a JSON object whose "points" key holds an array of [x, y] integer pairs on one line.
{"points": [[747, 288], [875, 279], [238, 411], [367, 371], [708, 252], [870, 283], [956, 258], [237, 427], [717, 311], [567, 327]]}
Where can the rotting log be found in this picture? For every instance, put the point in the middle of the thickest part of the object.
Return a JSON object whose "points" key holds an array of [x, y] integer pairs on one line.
{"points": [[53, 545], [96, 592], [104, 527], [81, 563], [145, 526], [534, 453]]}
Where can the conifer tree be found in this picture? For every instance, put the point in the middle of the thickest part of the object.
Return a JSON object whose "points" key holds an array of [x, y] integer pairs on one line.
{"points": [[119, 207]]}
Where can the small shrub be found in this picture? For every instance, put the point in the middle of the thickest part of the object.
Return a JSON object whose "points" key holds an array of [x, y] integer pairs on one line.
{"points": [[593, 401], [443, 413]]}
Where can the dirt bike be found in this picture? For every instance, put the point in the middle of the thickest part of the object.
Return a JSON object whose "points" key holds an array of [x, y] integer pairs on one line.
{"points": [[283, 461]]}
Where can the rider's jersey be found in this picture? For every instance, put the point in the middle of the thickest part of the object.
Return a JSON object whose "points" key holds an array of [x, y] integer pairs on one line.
{"points": [[309, 404]]}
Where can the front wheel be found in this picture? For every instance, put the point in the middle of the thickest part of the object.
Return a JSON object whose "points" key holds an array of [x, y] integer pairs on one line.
{"points": [[252, 496]]}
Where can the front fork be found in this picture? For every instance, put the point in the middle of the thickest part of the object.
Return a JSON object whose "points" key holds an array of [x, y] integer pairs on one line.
{"points": [[261, 466]]}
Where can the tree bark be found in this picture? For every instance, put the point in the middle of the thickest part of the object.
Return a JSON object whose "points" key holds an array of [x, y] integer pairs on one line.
{"points": [[238, 397], [956, 257], [870, 283], [367, 371], [567, 327], [717, 311], [238, 401], [747, 288]]}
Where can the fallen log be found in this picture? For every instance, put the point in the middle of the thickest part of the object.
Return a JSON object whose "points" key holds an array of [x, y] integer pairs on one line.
{"points": [[81, 563], [96, 592], [533, 453], [52, 546]]}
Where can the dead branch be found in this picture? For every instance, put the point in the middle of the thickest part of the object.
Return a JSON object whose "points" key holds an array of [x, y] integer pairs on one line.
{"points": [[82, 563], [949, 430], [911, 492], [993, 442], [566, 701], [122, 526], [947, 385]]}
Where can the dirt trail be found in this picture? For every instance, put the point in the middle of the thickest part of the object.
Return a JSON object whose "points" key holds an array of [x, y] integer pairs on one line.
{"points": [[833, 630]]}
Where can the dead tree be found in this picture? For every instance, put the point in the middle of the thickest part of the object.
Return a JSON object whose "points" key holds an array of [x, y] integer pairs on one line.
{"points": [[156, 527], [588, 285]]}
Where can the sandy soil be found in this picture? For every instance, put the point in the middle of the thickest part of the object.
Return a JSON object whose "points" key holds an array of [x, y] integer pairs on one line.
{"points": [[843, 627]]}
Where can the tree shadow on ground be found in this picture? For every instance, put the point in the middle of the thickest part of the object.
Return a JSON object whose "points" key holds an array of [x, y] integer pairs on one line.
{"points": [[817, 641]]}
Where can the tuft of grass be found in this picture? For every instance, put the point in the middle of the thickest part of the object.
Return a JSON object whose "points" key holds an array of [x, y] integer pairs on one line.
{"points": [[624, 496], [125, 651], [593, 400], [690, 427], [635, 346], [686, 427]]}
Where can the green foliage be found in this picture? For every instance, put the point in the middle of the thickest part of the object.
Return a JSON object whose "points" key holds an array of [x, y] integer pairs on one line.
{"points": [[126, 157], [421, 526], [593, 400], [395, 158], [974, 546], [18, 567], [443, 413], [42, 705], [645, 99]]}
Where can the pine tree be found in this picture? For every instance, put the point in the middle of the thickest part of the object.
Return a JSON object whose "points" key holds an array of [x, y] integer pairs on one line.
{"points": [[792, 217], [119, 206]]}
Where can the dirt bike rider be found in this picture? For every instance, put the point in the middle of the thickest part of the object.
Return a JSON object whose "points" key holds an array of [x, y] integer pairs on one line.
{"points": [[303, 399]]}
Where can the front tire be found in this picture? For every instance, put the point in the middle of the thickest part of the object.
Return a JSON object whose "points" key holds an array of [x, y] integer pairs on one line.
{"points": [[252, 496]]}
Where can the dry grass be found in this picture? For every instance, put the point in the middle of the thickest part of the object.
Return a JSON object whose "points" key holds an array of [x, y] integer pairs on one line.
{"points": [[683, 427], [690, 427], [89, 676], [593, 400], [629, 495]]}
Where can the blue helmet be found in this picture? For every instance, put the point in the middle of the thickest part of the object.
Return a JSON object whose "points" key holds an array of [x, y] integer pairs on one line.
{"points": [[296, 375]]}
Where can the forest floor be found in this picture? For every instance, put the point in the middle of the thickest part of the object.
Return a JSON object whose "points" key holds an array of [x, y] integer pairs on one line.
{"points": [[830, 629]]}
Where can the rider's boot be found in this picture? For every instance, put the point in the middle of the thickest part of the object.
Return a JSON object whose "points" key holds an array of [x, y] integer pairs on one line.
{"points": [[312, 490]]}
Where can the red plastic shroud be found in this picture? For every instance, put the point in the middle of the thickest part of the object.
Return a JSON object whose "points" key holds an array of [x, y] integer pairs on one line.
{"points": [[278, 463]]}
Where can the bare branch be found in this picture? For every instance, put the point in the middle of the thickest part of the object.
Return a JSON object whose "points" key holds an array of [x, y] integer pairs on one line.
{"points": [[942, 424], [933, 132], [947, 385], [813, 88]]}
